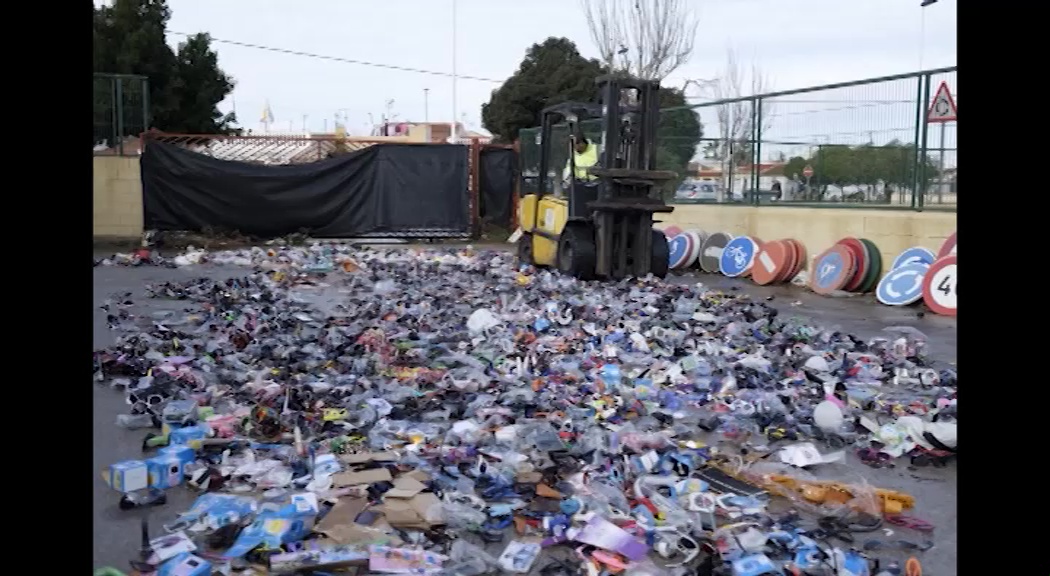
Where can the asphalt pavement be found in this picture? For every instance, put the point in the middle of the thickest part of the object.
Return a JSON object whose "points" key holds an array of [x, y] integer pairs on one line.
{"points": [[116, 532]]}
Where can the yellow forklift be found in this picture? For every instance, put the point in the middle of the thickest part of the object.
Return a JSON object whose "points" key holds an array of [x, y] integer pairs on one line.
{"points": [[601, 226]]}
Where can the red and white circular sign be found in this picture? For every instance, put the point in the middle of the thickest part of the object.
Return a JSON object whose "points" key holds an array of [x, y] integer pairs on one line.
{"points": [[939, 286], [948, 247]]}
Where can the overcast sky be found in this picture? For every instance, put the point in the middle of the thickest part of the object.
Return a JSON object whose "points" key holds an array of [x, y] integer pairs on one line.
{"points": [[797, 43]]}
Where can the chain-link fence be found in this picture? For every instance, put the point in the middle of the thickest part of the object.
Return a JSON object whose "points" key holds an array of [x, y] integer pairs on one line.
{"points": [[120, 105], [877, 142]]}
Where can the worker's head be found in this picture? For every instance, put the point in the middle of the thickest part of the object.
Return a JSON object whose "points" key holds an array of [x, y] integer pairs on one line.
{"points": [[581, 144]]}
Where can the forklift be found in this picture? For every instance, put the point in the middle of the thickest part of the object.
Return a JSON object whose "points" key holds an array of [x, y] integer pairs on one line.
{"points": [[602, 228]]}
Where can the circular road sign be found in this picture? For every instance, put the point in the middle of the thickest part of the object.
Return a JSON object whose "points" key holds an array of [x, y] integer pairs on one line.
{"points": [[807, 171], [672, 231], [912, 255], [833, 269], [902, 286], [695, 244], [770, 262], [738, 256], [948, 247], [939, 286], [860, 255], [711, 253], [874, 266], [679, 249]]}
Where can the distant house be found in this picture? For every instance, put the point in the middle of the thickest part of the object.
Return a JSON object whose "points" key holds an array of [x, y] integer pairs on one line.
{"points": [[429, 131]]}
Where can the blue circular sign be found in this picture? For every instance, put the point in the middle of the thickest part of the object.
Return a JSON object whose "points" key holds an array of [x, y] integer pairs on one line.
{"points": [[737, 256], [827, 270], [915, 254], [902, 286], [678, 248]]}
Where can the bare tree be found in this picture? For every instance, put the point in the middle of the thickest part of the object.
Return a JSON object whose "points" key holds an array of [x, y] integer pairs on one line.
{"points": [[736, 138], [646, 38]]}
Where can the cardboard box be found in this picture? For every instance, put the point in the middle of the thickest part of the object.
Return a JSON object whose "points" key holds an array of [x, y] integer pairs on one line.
{"points": [[127, 476], [165, 471], [187, 434], [185, 565], [184, 453], [362, 477], [420, 512]]}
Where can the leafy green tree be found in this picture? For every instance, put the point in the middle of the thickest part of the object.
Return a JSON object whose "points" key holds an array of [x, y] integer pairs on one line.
{"points": [[893, 165], [185, 88], [678, 135], [795, 166], [552, 72], [199, 87]]}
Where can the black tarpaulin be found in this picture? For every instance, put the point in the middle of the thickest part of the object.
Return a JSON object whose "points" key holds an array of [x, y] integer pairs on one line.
{"points": [[496, 174], [385, 189]]}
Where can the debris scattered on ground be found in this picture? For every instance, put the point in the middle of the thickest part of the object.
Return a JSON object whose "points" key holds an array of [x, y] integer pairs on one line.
{"points": [[409, 411]]}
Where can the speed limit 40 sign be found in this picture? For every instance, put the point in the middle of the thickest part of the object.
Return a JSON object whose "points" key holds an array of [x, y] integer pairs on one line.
{"points": [[939, 289]]}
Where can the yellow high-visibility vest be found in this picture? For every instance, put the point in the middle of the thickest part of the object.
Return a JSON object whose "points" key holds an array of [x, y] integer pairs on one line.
{"points": [[583, 162]]}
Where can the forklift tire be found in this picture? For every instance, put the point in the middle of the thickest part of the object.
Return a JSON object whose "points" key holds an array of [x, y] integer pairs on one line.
{"points": [[661, 255], [576, 252], [525, 249]]}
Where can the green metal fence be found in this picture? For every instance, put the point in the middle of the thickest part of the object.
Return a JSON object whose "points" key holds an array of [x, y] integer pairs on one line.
{"points": [[855, 144], [120, 105]]}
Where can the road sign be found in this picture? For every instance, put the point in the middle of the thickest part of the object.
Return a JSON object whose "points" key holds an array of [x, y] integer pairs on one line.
{"points": [[913, 255], [942, 109], [696, 242], [874, 266], [711, 253], [862, 263], [801, 259], [948, 247], [679, 249], [770, 262], [939, 286], [738, 256], [902, 286], [832, 269], [672, 231], [807, 171]]}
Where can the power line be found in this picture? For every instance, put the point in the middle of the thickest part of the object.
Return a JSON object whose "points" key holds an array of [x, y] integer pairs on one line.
{"points": [[343, 60]]}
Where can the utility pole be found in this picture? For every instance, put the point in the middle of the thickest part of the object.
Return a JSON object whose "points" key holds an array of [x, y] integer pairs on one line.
{"points": [[426, 105], [452, 133]]}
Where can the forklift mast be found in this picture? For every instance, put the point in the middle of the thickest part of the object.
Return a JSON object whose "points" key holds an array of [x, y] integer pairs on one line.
{"points": [[630, 117]]}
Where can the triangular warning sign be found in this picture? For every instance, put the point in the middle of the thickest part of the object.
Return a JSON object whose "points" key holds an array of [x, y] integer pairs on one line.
{"points": [[942, 109]]}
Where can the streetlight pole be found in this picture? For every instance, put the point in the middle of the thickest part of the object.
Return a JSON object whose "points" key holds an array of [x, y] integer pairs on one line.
{"points": [[922, 29], [453, 136], [426, 105]]}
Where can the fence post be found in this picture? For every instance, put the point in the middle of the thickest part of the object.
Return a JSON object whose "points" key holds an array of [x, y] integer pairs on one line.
{"points": [[754, 166], [113, 110], [921, 171], [475, 194], [145, 104], [757, 162], [120, 114], [516, 190], [919, 101]]}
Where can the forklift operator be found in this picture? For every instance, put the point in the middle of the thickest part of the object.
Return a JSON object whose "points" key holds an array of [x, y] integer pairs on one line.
{"points": [[584, 156]]}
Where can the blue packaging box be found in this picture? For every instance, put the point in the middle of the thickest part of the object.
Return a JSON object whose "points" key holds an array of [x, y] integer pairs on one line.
{"points": [[127, 476], [165, 471], [187, 434], [184, 453], [185, 564]]}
